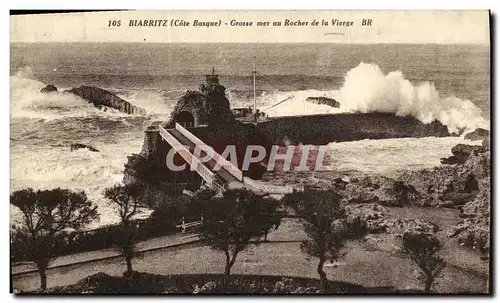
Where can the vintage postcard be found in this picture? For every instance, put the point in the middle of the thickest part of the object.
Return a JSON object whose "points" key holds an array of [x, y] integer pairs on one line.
{"points": [[250, 152]]}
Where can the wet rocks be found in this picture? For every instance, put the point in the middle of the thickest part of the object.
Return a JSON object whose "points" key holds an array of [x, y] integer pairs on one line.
{"points": [[339, 184], [76, 146], [378, 221], [486, 144], [480, 204], [458, 183], [461, 153], [450, 186], [477, 134], [474, 230], [465, 186], [402, 226], [324, 100], [48, 89], [100, 97], [382, 190], [366, 212]]}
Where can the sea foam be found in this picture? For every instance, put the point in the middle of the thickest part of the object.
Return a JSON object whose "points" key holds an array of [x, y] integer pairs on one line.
{"points": [[367, 88]]}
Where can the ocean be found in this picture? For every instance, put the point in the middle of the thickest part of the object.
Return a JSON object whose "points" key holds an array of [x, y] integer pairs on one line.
{"points": [[450, 83]]}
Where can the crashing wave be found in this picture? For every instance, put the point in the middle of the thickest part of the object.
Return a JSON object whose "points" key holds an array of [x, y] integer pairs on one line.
{"points": [[367, 89]]}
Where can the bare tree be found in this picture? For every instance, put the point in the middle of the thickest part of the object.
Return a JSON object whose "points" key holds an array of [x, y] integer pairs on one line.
{"points": [[129, 201], [423, 250], [47, 214]]}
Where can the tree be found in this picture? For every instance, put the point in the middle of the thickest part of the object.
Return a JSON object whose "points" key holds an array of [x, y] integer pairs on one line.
{"points": [[232, 221], [271, 218], [423, 250], [325, 222], [129, 201], [47, 214]]}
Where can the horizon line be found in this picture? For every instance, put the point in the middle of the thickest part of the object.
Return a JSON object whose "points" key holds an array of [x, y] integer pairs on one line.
{"points": [[227, 42]]}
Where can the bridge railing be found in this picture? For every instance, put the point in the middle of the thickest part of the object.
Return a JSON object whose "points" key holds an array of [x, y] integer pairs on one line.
{"points": [[230, 167], [194, 162]]}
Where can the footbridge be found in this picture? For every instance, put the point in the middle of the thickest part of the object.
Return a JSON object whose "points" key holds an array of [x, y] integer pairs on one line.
{"points": [[216, 171]]}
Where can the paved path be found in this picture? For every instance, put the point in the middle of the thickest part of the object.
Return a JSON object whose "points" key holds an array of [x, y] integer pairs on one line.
{"points": [[180, 254], [90, 256]]}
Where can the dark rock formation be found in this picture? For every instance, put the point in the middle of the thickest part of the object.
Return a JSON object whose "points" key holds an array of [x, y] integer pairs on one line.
{"points": [[486, 143], [451, 160], [461, 153], [443, 186], [100, 97], [467, 149], [448, 186], [374, 216], [208, 116], [478, 134], [208, 106], [324, 100], [327, 128], [382, 190], [481, 203], [339, 184], [48, 89], [466, 186], [474, 230], [76, 146]]}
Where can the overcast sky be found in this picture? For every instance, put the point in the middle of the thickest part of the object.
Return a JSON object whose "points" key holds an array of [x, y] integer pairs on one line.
{"points": [[467, 27]]}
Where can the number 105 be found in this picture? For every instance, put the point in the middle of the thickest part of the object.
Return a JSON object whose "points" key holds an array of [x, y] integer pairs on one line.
{"points": [[115, 23]]}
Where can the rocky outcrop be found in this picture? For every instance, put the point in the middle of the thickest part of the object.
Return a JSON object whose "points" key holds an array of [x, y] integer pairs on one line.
{"points": [[478, 134], [486, 144], [207, 106], [448, 185], [461, 153], [366, 212], [377, 220], [324, 100], [474, 230], [326, 128], [466, 186], [443, 186], [474, 233], [481, 203], [76, 146], [382, 190], [48, 89], [100, 97]]}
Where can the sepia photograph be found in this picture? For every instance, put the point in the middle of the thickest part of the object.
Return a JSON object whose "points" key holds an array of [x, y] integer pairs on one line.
{"points": [[250, 152]]}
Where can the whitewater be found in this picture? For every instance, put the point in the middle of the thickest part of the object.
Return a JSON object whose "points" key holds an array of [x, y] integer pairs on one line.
{"points": [[44, 125]]}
